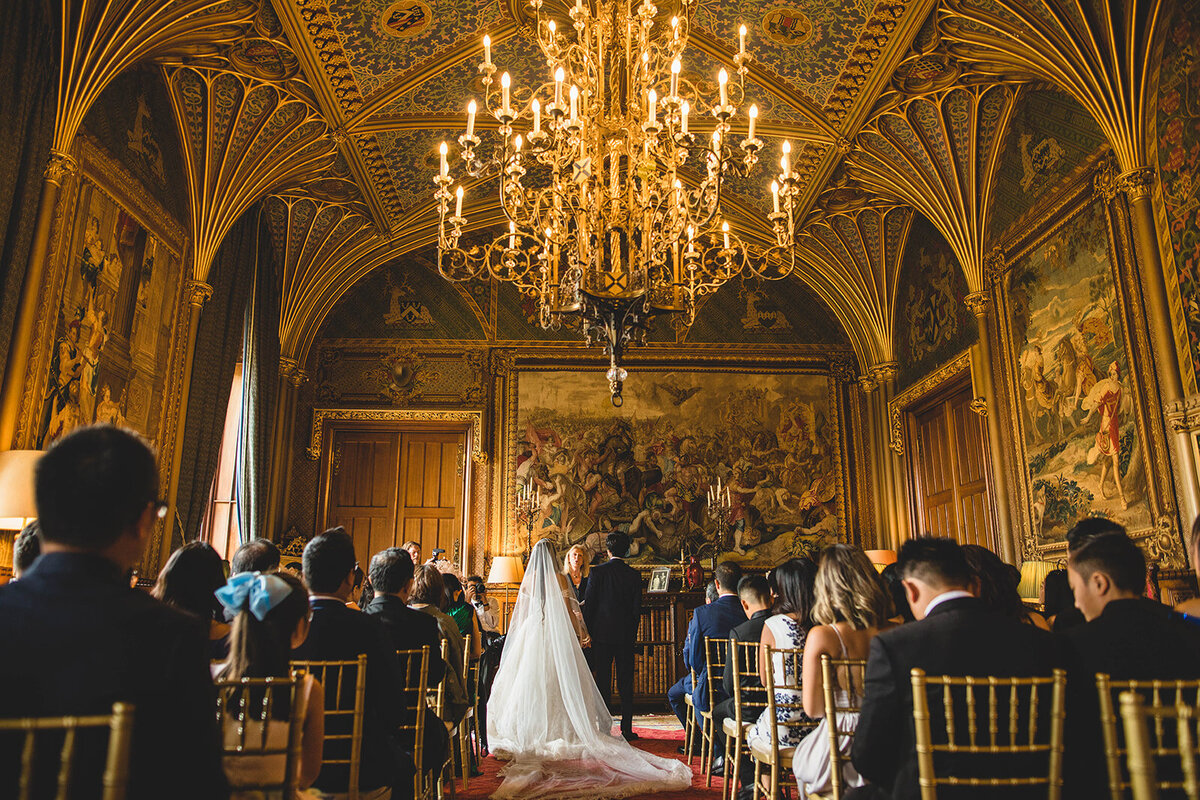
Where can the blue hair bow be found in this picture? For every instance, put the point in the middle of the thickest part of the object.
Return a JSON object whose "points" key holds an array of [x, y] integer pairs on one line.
{"points": [[253, 592]]}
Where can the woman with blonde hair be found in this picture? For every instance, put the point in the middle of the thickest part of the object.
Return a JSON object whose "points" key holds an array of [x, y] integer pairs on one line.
{"points": [[576, 568], [850, 609]]}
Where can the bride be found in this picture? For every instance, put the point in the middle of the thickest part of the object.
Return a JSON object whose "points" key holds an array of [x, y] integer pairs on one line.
{"points": [[546, 716]]}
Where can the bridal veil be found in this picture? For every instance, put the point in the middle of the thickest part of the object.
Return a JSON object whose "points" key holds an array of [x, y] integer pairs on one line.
{"points": [[545, 713]]}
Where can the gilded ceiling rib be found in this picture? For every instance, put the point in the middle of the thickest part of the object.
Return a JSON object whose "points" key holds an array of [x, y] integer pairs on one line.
{"points": [[241, 140]]}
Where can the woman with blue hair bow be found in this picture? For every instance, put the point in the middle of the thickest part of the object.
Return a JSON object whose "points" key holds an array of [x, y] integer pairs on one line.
{"points": [[270, 617]]}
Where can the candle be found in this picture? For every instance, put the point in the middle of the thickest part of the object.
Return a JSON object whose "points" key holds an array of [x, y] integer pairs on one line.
{"points": [[675, 27], [574, 102], [784, 160], [518, 143], [512, 238], [553, 29], [613, 170], [725, 233], [742, 41], [505, 80], [716, 141], [691, 251], [579, 6], [753, 117], [537, 116], [728, 502], [558, 82], [487, 50], [722, 79], [683, 116], [652, 106], [458, 202], [675, 67], [775, 195], [471, 108], [445, 166], [679, 195]]}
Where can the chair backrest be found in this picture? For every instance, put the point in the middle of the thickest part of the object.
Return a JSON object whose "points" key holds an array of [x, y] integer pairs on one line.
{"points": [[415, 665], [257, 755], [439, 692], [842, 681], [1154, 693], [116, 765], [1023, 736], [345, 684], [1145, 755], [716, 653], [783, 690], [749, 699]]}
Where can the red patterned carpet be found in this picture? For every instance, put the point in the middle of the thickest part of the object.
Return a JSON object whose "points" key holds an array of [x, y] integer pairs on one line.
{"points": [[661, 740]]}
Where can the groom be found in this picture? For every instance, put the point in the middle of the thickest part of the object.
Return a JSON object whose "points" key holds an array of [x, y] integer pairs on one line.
{"points": [[612, 609]]}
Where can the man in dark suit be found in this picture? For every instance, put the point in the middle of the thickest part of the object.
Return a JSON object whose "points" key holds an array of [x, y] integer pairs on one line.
{"points": [[77, 639], [955, 634], [1127, 636], [391, 574], [715, 621], [612, 610], [754, 593], [339, 633]]}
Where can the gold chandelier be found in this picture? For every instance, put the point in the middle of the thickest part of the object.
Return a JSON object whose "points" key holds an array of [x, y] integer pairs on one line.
{"points": [[613, 201]]}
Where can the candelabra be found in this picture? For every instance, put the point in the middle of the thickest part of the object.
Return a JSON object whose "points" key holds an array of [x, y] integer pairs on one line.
{"points": [[719, 503], [613, 201], [529, 504]]}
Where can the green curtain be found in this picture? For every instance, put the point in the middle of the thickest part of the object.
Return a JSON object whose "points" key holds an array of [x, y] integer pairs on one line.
{"points": [[260, 383], [28, 84]]}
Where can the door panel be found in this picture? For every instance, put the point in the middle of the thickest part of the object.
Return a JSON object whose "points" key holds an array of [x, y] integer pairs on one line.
{"points": [[431, 510], [363, 488]]}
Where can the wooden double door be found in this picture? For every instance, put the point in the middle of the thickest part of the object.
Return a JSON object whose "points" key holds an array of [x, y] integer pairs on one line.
{"points": [[949, 469], [389, 486]]}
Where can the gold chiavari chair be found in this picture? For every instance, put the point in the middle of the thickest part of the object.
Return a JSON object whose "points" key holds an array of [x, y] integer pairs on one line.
{"points": [[439, 698], [415, 664], [783, 698], [464, 727], [1145, 755], [689, 724], [842, 684], [259, 756], [716, 652], [748, 704], [1001, 693], [116, 766], [345, 684], [1155, 693]]}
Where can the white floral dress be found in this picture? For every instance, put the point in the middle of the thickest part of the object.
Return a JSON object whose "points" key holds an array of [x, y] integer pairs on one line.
{"points": [[793, 723]]}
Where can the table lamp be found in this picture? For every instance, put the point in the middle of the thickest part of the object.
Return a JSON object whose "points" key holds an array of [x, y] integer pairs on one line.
{"points": [[17, 506], [881, 558], [1033, 575], [506, 570]]}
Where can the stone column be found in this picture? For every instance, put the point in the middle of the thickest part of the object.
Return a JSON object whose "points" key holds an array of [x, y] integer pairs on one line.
{"points": [[884, 375]]}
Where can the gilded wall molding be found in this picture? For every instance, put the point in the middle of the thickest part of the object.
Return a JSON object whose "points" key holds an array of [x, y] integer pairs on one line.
{"points": [[951, 369], [323, 415]]}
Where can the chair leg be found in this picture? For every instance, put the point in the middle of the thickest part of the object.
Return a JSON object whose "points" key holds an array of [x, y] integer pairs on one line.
{"points": [[711, 725], [464, 749], [736, 783], [689, 726]]}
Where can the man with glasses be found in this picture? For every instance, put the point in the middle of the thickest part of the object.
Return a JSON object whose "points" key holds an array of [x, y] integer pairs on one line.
{"points": [[77, 638]]}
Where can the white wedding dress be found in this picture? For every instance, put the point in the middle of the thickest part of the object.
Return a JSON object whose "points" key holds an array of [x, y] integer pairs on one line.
{"points": [[546, 716]]}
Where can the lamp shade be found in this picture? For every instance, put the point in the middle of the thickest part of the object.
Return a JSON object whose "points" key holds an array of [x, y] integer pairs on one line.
{"points": [[17, 504], [1033, 575], [881, 558], [506, 569]]}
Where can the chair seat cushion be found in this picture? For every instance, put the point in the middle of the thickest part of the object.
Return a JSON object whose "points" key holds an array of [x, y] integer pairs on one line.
{"points": [[762, 752], [730, 726], [687, 700]]}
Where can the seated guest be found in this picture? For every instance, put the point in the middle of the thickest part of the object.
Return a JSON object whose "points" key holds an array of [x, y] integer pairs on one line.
{"points": [[714, 620], [1059, 602], [458, 609], [391, 573], [87, 640], [711, 593], [755, 596], [189, 581], [890, 577], [476, 591], [851, 607], [427, 595], [787, 628], [26, 548], [270, 618], [576, 565], [339, 633], [256, 555], [996, 585], [1126, 636], [954, 634]]}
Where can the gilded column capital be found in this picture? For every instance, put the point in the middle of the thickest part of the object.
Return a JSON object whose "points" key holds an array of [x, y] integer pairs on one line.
{"points": [[884, 372], [867, 384], [59, 166], [1137, 183], [297, 377], [979, 303], [287, 366], [199, 293]]}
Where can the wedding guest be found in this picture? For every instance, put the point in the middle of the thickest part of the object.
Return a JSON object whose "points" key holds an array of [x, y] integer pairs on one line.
{"points": [[87, 640], [901, 612], [270, 617], [427, 595], [391, 572], [612, 612], [954, 634], [356, 590], [997, 585], [476, 591], [576, 566], [256, 555], [339, 633], [462, 612], [414, 550], [711, 593], [787, 628], [26, 548], [851, 607], [188, 581], [1059, 602], [755, 596]]}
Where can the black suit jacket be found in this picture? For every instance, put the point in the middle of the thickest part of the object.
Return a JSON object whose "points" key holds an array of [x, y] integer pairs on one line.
{"points": [[77, 639], [612, 606], [409, 630], [959, 637], [749, 631], [339, 633], [1131, 640]]}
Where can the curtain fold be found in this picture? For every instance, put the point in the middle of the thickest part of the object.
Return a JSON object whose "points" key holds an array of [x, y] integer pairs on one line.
{"points": [[218, 347], [28, 84], [260, 383]]}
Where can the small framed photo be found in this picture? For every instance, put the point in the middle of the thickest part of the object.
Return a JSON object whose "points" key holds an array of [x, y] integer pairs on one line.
{"points": [[660, 578]]}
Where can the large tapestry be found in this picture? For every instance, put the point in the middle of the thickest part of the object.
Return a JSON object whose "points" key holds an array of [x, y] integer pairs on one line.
{"points": [[1071, 368], [771, 442], [113, 331]]}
